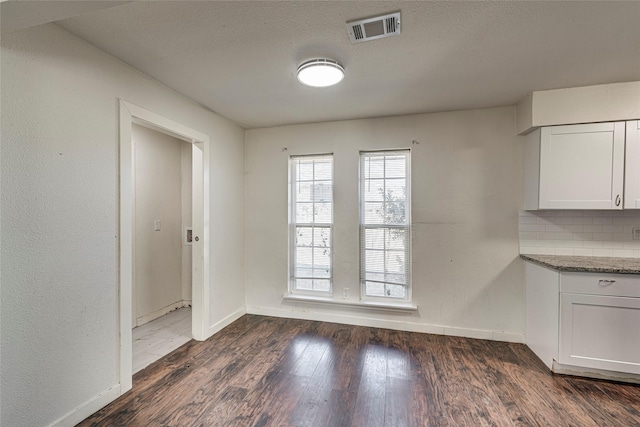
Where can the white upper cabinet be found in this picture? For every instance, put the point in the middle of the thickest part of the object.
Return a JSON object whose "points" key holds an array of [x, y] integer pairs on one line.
{"points": [[575, 167], [632, 166]]}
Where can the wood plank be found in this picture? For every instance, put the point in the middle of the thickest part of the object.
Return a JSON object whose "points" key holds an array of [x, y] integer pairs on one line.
{"points": [[223, 409], [370, 404], [263, 371], [485, 353], [398, 392], [428, 400]]}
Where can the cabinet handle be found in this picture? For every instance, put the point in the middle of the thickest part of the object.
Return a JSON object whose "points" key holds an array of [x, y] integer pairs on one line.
{"points": [[618, 200], [606, 282]]}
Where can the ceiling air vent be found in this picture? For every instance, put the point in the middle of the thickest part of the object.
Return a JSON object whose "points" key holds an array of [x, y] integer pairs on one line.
{"points": [[379, 27]]}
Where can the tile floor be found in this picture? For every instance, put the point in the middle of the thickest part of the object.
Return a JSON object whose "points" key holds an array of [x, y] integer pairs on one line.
{"points": [[160, 337]]}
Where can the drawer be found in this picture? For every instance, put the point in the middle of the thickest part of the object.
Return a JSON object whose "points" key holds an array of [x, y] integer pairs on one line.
{"points": [[620, 285]]}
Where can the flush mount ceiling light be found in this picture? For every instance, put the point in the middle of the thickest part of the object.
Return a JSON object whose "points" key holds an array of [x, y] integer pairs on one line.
{"points": [[320, 73]]}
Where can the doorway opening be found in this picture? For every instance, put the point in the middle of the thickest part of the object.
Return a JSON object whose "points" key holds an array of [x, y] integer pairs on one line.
{"points": [[162, 261], [131, 114]]}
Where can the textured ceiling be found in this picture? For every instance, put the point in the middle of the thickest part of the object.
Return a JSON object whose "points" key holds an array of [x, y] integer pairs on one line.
{"points": [[239, 58], [18, 14]]}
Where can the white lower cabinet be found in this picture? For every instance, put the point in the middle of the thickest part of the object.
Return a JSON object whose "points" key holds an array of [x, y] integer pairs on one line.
{"points": [[601, 332], [584, 323]]}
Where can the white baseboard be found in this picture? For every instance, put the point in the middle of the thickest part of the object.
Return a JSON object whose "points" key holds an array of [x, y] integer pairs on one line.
{"points": [[600, 374], [218, 326], [399, 325], [508, 337], [75, 416], [162, 311]]}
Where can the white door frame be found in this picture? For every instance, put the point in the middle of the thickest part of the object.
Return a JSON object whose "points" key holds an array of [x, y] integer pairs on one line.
{"points": [[129, 114]]}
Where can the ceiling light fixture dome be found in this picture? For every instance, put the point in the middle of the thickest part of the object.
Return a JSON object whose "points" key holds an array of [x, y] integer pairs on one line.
{"points": [[320, 72]]}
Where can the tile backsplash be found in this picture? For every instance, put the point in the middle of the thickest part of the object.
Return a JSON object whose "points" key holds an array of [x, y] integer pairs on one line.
{"points": [[585, 233]]}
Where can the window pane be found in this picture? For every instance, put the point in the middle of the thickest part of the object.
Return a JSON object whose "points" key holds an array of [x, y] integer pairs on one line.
{"points": [[304, 213], [374, 213], [374, 167], [395, 239], [373, 190], [321, 272], [321, 285], [395, 205], [311, 202], [304, 236], [394, 262], [323, 169], [304, 262], [304, 284], [385, 255], [322, 191], [373, 289], [376, 277], [321, 259], [385, 264], [395, 190], [305, 170], [322, 237], [396, 291], [322, 213], [375, 261], [395, 167], [303, 193], [374, 238]]}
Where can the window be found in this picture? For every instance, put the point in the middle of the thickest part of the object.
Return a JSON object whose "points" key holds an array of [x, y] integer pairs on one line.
{"points": [[311, 220], [385, 224]]}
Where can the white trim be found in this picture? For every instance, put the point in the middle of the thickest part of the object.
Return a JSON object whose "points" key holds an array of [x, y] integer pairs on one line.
{"points": [[164, 124], [601, 374], [125, 225], [161, 312], [200, 251], [130, 113], [386, 305], [507, 337], [88, 408], [483, 334], [400, 325], [218, 326]]}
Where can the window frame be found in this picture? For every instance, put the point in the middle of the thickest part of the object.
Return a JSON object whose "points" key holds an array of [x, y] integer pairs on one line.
{"points": [[407, 227], [293, 225]]}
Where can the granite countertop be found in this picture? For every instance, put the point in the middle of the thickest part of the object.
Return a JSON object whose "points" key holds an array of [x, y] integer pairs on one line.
{"points": [[586, 263]]}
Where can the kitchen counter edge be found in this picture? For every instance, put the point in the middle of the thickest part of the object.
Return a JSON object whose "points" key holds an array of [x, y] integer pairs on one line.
{"points": [[588, 264]]}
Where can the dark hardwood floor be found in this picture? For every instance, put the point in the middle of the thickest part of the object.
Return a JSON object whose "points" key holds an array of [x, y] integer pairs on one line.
{"points": [[264, 371]]}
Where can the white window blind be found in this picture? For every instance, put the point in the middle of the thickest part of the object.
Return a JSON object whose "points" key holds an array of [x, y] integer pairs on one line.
{"points": [[311, 220], [385, 224]]}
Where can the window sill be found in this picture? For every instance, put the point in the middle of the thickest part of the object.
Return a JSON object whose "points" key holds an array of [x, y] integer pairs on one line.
{"points": [[358, 304]]}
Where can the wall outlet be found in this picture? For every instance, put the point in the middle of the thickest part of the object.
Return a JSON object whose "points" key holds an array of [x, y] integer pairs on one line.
{"points": [[636, 233], [157, 225], [345, 293]]}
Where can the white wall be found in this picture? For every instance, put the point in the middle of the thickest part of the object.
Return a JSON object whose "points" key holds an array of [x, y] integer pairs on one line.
{"points": [[159, 184], [466, 188], [59, 210]]}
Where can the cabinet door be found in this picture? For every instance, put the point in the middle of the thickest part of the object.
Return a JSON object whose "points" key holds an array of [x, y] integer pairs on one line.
{"points": [[600, 332], [582, 166], [632, 166]]}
